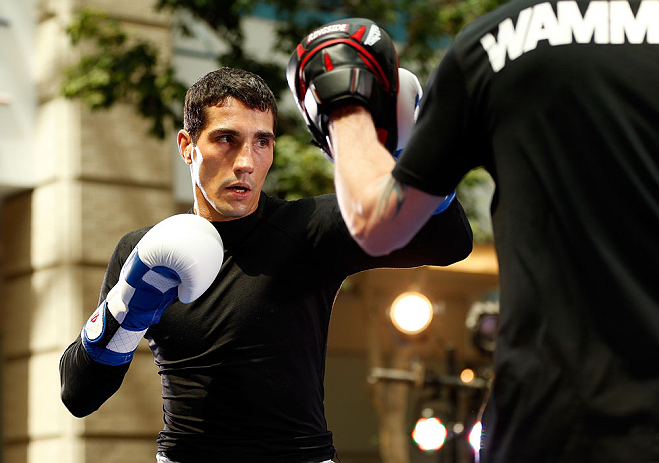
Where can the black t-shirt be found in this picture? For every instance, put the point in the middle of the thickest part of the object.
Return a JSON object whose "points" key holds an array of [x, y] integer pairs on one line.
{"points": [[559, 102], [242, 367]]}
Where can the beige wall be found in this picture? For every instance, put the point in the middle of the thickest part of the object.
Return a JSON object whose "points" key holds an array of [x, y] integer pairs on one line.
{"points": [[98, 176]]}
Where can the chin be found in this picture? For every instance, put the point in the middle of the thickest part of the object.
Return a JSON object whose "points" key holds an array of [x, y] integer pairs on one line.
{"points": [[234, 212]]}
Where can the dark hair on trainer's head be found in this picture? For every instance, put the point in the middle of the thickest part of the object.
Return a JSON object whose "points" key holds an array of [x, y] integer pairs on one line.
{"points": [[215, 87]]}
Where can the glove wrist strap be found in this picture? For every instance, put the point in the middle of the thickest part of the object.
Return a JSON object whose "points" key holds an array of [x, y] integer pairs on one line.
{"points": [[106, 341]]}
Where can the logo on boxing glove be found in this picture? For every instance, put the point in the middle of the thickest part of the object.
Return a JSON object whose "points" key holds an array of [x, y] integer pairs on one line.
{"points": [[327, 30]]}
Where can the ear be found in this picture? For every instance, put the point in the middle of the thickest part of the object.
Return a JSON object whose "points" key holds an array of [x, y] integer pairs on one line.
{"points": [[184, 142]]}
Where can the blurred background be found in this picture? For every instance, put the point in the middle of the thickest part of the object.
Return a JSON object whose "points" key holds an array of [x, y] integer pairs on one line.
{"points": [[90, 102]]}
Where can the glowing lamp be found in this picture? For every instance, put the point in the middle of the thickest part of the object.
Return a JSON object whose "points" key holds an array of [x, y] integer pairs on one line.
{"points": [[429, 434], [411, 312], [467, 375], [475, 436]]}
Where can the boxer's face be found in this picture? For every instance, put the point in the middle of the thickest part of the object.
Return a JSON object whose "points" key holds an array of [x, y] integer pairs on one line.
{"points": [[234, 153]]}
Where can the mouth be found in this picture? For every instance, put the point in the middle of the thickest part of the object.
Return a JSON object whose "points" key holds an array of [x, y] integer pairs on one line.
{"points": [[239, 188]]}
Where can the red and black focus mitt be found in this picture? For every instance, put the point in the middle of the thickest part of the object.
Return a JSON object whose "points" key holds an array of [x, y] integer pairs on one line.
{"points": [[350, 61]]}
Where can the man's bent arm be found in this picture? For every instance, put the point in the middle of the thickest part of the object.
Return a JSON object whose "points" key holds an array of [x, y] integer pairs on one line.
{"points": [[381, 213], [86, 384]]}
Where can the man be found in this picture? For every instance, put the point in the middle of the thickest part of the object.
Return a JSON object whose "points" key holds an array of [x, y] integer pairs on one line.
{"points": [[558, 101], [242, 365]]}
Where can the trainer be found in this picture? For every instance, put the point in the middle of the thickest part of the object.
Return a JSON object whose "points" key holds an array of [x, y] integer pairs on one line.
{"points": [[558, 100], [235, 297]]}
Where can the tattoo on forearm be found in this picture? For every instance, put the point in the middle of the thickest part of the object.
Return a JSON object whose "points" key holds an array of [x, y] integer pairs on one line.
{"points": [[393, 188]]}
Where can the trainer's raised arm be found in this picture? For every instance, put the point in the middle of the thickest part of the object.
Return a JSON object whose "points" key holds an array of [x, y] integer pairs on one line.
{"points": [[360, 107]]}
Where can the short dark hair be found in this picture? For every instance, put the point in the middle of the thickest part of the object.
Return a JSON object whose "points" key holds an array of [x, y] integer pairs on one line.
{"points": [[215, 87]]}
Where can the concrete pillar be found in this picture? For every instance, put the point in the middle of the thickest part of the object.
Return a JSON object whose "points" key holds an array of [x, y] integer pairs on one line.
{"points": [[98, 176]]}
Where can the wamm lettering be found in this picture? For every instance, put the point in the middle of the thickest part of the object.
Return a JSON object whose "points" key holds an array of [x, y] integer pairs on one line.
{"points": [[603, 22]]}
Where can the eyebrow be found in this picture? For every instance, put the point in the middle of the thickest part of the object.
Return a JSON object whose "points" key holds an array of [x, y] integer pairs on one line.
{"points": [[224, 131], [265, 134]]}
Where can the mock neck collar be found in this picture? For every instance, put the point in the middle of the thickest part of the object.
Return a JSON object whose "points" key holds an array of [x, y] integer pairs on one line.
{"points": [[234, 231]]}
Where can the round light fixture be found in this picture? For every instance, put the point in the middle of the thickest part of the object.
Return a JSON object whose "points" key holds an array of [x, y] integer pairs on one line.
{"points": [[411, 312]]}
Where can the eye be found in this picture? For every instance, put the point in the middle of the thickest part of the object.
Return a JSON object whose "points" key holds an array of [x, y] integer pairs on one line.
{"points": [[263, 142], [224, 138]]}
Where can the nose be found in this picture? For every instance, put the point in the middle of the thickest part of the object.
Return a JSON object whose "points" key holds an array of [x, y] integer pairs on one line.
{"points": [[244, 162]]}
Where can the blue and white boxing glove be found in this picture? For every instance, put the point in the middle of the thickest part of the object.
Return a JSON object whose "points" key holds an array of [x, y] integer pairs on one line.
{"points": [[179, 257], [410, 93]]}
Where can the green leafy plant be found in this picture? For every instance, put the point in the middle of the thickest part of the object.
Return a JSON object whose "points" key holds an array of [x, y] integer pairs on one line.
{"points": [[299, 170], [121, 69], [474, 193]]}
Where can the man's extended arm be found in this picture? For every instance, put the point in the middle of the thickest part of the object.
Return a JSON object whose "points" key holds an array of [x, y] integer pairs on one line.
{"points": [[84, 383], [444, 239]]}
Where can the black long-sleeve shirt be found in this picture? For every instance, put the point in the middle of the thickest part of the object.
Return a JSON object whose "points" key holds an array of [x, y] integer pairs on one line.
{"points": [[243, 366]]}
